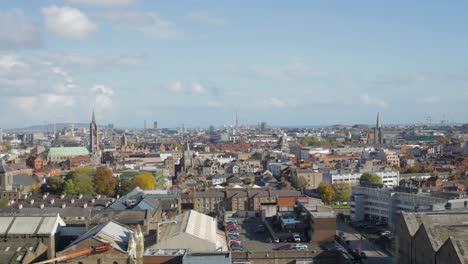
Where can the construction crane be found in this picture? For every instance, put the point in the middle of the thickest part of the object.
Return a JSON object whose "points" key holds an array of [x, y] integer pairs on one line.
{"points": [[80, 253]]}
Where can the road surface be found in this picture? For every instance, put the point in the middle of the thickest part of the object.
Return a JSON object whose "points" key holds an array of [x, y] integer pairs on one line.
{"points": [[374, 255]]}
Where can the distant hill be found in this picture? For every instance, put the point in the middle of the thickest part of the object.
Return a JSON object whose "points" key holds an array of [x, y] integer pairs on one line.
{"points": [[48, 127]]}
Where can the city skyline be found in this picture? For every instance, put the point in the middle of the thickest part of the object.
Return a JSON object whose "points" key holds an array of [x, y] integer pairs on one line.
{"points": [[320, 63]]}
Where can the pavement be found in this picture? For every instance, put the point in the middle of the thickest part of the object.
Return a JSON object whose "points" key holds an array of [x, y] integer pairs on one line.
{"points": [[374, 254]]}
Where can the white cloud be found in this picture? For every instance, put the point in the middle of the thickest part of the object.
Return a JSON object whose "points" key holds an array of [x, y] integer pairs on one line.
{"points": [[90, 62], [17, 31], [39, 89], [148, 23], [206, 18], [292, 71], [276, 102], [68, 22], [103, 97], [176, 87], [197, 88], [373, 101], [103, 2], [193, 88]]}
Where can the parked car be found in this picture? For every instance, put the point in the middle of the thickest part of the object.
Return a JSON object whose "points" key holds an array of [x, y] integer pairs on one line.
{"points": [[284, 247], [276, 240], [236, 247], [234, 242], [296, 237], [301, 247], [231, 225]]}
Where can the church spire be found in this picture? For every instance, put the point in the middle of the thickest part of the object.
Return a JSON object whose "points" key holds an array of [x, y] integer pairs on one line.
{"points": [[94, 118], [378, 120]]}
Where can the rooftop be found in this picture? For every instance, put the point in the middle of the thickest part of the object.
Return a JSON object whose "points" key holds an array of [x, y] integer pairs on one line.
{"points": [[67, 151]]}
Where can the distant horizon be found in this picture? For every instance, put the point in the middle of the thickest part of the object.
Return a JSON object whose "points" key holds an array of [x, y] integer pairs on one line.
{"points": [[232, 125]]}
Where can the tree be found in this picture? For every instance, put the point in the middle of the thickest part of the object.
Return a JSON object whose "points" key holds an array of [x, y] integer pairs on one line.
{"points": [[126, 185], [7, 145], [299, 182], [326, 192], [145, 180], [55, 184], [69, 187], [342, 191], [104, 181], [368, 177], [82, 179], [35, 188], [83, 184]]}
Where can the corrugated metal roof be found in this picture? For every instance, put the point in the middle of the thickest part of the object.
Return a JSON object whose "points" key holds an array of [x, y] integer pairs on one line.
{"points": [[5, 223], [24, 225]]}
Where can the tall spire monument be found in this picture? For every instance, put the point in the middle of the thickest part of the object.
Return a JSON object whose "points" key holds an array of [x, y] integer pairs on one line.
{"points": [[378, 134], [93, 136]]}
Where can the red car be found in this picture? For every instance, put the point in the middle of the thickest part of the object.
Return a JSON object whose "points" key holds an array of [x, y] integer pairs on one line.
{"points": [[284, 247], [234, 242]]}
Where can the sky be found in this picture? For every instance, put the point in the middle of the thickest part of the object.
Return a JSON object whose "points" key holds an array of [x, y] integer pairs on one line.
{"points": [[197, 62]]}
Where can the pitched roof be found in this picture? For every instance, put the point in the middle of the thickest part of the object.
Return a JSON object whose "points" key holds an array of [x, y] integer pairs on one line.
{"points": [[67, 151], [118, 235]]}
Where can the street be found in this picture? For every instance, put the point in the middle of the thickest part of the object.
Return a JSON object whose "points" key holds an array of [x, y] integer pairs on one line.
{"points": [[374, 255]]}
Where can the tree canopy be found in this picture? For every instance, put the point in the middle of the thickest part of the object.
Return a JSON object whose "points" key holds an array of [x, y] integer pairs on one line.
{"points": [[145, 180], [299, 182], [326, 191], [55, 184], [104, 181], [82, 179], [342, 191], [368, 177]]}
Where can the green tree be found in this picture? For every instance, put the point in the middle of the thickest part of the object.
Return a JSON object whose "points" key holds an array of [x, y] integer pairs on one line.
{"points": [[35, 188], [125, 185], [104, 181], [368, 177], [83, 184], [145, 180], [69, 187], [326, 192], [342, 191], [55, 184], [82, 179], [7, 145], [299, 182], [413, 170]]}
